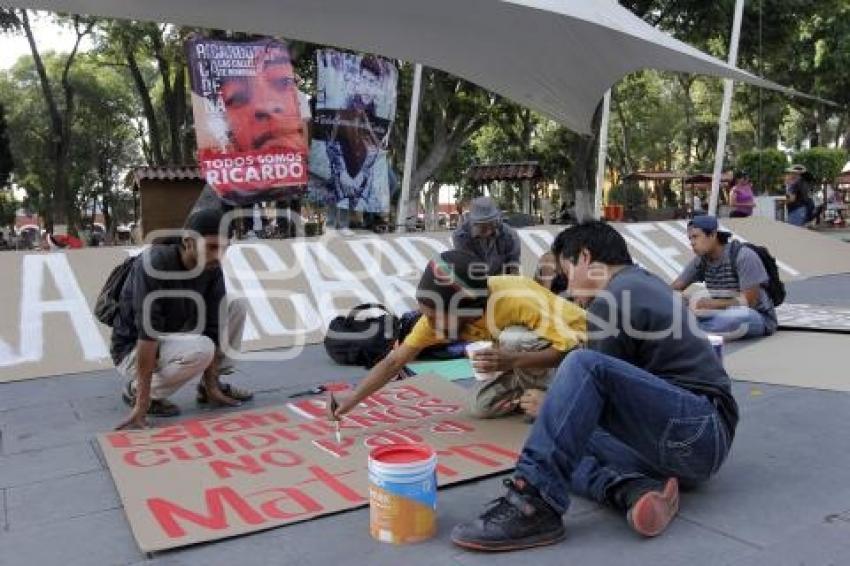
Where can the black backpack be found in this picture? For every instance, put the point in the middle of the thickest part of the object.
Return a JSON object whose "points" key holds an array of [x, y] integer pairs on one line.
{"points": [[355, 341], [774, 287], [106, 306]]}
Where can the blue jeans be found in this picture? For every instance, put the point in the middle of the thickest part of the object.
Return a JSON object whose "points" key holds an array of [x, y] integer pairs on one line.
{"points": [[337, 218], [798, 216], [734, 323], [605, 421]]}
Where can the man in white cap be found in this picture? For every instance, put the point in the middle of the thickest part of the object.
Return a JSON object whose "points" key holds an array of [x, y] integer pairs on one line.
{"points": [[484, 235]]}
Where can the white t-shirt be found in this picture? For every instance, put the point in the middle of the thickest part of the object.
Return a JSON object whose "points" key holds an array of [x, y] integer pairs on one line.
{"points": [[304, 106], [697, 203]]}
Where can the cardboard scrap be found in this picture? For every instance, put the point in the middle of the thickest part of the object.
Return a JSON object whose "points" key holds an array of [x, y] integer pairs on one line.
{"points": [[450, 370]]}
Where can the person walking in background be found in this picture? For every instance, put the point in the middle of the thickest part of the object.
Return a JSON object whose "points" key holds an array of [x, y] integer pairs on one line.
{"points": [[491, 241], [741, 197], [799, 202]]}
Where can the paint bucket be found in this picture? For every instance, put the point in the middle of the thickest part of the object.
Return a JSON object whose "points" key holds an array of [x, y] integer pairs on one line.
{"points": [[717, 344], [403, 493]]}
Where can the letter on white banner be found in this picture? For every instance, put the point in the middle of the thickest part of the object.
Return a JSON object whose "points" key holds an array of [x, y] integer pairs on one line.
{"points": [[397, 292], [325, 291], [72, 302], [258, 296]]}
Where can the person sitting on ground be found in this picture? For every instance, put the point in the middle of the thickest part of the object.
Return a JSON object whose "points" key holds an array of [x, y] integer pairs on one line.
{"points": [[157, 343], [484, 235], [741, 197], [646, 405], [458, 300], [798, 204], [735, 277]]}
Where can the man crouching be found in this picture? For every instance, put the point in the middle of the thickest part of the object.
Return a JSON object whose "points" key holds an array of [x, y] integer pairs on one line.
{"points": [[167, 329]]}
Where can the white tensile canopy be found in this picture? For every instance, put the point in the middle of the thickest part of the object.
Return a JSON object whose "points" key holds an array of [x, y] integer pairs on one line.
{"points": [[557, 57]]}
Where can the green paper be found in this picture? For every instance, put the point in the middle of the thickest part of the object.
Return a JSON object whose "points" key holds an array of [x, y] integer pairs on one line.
{"points": [[450, 370]]}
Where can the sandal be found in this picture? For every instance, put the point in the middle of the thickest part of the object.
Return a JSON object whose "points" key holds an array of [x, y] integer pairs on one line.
{"points": [[157, 408], [231, 391]]}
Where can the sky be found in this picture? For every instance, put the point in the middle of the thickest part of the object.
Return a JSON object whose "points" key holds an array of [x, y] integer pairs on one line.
{"points": [[48, 37]]}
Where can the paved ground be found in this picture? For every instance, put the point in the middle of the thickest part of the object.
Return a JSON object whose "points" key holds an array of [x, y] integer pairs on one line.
{"points": [[783, 498]]}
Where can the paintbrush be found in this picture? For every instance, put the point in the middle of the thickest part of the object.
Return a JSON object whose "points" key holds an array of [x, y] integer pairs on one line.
{"points": [[334, 407]]}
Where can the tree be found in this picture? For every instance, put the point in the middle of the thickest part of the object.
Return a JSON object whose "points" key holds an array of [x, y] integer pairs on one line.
{"points": [[107, 112], [8, 205], [823, 164], [765, 168], [105, 141], [451, 111], [7, 164], [156, 65], [61, 113]]}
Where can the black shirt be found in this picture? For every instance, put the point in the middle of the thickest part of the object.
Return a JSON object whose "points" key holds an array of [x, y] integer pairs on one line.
{"points": [[166, 314], [645, 303], [800, 190]]}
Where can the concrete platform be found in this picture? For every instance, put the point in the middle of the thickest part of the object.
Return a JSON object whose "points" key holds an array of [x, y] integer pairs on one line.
{"points": [[782, 499]]}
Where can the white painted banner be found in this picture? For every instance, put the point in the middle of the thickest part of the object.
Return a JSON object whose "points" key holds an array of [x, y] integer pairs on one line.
{"points": [[296, 286]]}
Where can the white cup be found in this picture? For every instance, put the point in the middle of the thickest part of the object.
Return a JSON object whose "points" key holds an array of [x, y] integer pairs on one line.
{"points": [[471, 349], [717, 345]]}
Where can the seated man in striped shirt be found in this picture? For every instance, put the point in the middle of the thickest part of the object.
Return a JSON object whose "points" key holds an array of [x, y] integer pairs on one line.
{"points": [[737, 305]]}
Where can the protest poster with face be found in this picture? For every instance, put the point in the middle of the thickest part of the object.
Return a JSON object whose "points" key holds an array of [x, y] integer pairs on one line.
{"points": [[251, 137], [355, 109]]}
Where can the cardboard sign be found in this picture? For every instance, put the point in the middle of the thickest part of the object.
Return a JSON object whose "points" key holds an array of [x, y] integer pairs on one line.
{"points": [[240, 472], [295, 287], [813, 317]]}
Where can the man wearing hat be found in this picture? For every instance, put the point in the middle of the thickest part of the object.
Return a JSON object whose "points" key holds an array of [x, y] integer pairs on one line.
{"points": [[532, 330], [169, 329], [485, 236], [798, 203], [737, 305]]}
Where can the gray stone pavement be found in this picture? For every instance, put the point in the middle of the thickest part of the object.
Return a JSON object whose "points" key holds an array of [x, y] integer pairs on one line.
{"points": [[782, 499]]}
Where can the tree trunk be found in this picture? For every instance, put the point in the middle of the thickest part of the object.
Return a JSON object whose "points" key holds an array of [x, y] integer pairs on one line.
{"points": [[180, 109], [63, 208], [169, 103], [147, 105], [686, 83], [582, 175], [56, 125], [441, 150]]}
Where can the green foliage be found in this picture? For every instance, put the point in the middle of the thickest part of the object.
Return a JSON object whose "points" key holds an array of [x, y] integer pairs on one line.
{"points": [[659, 121], [6, 161], [8, 209], [823, 164], [104, 139], [629, 194], [766, 168]]}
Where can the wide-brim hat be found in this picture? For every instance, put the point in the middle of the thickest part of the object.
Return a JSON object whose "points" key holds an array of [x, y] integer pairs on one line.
{"points": [[797, 168]]}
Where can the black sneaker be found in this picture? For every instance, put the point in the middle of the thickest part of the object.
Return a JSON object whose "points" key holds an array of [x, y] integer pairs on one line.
{"points": [[650, 504], [521, 519], [158, 407]]}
